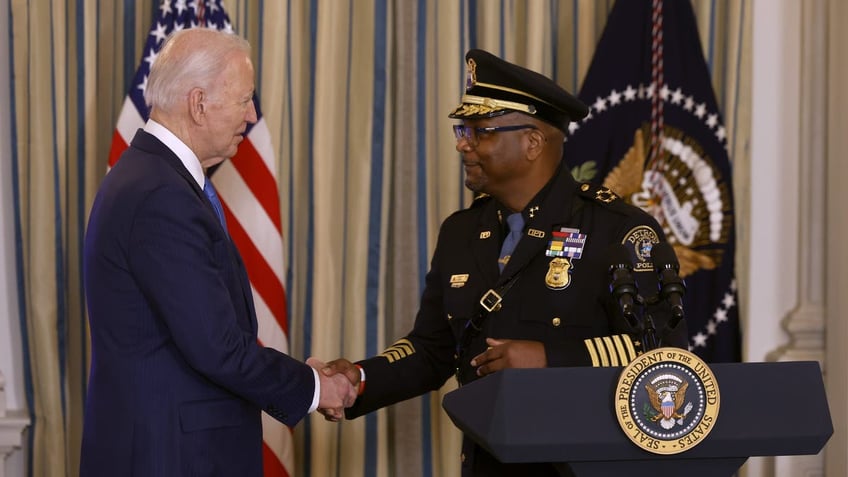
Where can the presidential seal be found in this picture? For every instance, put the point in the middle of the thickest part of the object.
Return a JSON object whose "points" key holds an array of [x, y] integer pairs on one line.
{"points": [[667, 401]]}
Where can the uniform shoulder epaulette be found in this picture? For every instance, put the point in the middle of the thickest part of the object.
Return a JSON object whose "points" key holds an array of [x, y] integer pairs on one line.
{"points": [[481, 199], [598, 193]]}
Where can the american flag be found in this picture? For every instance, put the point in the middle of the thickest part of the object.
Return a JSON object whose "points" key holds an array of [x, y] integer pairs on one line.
{"points": [[247, 186]]}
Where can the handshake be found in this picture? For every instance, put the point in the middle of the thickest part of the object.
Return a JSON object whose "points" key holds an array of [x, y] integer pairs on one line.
{"points": [[340, 386]]}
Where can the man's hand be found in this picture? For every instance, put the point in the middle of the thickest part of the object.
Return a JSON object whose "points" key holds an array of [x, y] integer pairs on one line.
{"points": [[345, 367], [504, 354], [337, 392]]}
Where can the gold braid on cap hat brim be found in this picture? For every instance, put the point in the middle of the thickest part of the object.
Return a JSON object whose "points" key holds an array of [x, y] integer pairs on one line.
{"points": [[475, 105]]}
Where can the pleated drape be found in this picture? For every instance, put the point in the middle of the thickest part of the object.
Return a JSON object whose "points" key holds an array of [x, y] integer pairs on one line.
{"points": [[356, 95]]}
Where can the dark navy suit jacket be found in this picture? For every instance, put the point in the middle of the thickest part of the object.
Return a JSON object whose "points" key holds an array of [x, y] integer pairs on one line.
{"points": [[177, 377]]}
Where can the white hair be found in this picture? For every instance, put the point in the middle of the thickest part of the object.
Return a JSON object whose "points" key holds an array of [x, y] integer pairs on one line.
{"points": [[188, 59]]}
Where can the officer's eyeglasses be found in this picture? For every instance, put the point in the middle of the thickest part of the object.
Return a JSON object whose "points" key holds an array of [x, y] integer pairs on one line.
{"points": [[472, 135]]}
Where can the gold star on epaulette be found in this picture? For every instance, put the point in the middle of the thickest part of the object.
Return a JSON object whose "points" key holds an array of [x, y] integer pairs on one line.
{"points": [[605, 195], [602, 194]]}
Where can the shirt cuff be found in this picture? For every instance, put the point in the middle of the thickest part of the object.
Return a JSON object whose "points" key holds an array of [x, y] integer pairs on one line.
{"points": [[317, 394]]}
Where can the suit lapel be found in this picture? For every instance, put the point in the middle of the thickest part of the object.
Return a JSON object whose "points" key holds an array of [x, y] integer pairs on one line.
{"points": [[147, 142]]}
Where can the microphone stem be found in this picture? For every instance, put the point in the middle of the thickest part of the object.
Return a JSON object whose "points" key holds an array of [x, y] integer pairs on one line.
{"points": [[649, 334]]}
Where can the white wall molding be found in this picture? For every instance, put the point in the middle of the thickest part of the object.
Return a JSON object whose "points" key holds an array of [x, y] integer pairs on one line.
{"points": [[806, 323], [12, 426]]}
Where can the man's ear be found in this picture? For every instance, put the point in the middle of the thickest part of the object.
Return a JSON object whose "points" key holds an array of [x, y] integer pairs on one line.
{"points": [[535, 143], [197, 104]]}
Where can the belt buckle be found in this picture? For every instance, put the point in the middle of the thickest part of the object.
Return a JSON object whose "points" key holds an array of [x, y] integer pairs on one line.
{"points": [[491, 301]]}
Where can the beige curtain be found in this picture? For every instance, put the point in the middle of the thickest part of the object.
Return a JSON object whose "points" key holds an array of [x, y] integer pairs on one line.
{"points": [[356, 96]]}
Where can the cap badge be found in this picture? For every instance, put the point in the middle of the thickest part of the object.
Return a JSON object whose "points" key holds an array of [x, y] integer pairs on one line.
{"points": [[471, 77]]}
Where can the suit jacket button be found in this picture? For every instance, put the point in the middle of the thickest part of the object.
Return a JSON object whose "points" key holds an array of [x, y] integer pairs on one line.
{"points": [[556, 321]]}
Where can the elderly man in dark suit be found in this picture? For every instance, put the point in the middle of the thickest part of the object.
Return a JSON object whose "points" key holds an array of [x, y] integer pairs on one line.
{"points": [[521, 278], [178, 379]]}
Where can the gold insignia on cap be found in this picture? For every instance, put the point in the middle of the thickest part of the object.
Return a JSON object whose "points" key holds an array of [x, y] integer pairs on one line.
{"points": [[476, 105], [473, 110], [471, 77], [401, 349], [584, 187]]}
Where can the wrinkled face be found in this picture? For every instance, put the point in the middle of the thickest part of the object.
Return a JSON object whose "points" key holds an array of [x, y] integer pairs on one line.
{"points": [[494, 160], [230, 110]]}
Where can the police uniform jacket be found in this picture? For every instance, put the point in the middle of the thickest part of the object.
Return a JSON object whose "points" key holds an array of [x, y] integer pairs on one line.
{"points": [[561, 312]]}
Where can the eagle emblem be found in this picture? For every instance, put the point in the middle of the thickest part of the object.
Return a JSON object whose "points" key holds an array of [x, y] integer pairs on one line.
{"points": [[667, 393], [663, 404], [686, 196]]}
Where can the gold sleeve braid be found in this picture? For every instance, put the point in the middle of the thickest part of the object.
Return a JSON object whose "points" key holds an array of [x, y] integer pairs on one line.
{"points": [[399, 350], [616, 350]]}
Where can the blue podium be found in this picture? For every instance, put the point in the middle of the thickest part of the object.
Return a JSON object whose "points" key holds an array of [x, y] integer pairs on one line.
{"points": [[566, 416]]}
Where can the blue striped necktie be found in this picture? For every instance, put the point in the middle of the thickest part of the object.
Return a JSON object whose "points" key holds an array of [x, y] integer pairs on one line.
{"points": [[515, 222], [209, 190]]}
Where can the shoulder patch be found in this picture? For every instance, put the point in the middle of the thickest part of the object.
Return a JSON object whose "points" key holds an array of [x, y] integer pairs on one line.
{"points": [[598, 193], [639, 242]]}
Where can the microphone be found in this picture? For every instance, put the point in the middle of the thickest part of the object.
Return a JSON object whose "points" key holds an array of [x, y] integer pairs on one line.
{"points": [[623, 285], [671, 285]]}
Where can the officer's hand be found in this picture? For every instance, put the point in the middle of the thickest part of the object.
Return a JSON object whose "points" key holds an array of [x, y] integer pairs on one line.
{"points": [[504, 354], [339, 369], [343, 366]]}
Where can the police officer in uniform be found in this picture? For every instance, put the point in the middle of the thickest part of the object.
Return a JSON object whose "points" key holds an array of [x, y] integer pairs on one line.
{"points": [[520, 279]]}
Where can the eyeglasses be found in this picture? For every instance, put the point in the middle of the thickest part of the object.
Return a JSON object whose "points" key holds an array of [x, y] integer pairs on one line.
{"points": [[472, 135]]}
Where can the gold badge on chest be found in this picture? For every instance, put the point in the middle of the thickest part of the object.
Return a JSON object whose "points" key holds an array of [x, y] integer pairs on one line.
{"points": [[558, 277]]}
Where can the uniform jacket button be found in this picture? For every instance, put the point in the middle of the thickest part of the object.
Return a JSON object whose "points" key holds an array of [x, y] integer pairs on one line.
{"points": [[556, 321]]}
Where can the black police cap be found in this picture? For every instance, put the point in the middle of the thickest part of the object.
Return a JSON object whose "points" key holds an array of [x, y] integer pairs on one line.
{"points": [[494, 87]]}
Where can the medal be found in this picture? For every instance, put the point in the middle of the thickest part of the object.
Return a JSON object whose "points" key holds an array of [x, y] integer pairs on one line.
{"points": [[566, 242]]}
